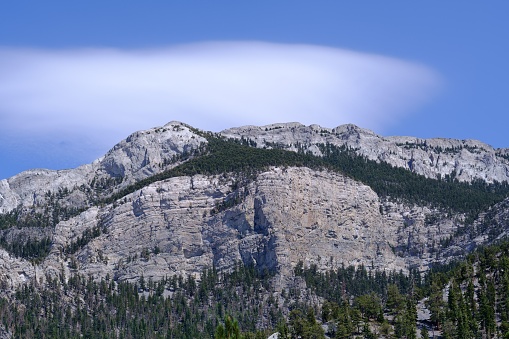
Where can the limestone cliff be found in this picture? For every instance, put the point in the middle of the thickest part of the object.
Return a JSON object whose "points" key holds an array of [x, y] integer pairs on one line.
{"points": [[274, 219], [286, 215]]}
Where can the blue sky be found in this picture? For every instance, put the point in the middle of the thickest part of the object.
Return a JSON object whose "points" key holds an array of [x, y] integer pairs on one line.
{"points": [[77, 77]]}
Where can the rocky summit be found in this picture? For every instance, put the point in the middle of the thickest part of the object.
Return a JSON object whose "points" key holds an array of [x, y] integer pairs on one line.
{"points": [[465, 160], [176, 201], [286, 214]]}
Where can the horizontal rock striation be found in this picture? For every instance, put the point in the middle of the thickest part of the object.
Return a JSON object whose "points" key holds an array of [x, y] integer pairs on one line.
{"points": [[271, 219], [285, 215]]}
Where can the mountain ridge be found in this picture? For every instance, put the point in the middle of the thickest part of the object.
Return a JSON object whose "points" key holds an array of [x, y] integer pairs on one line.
{"points": [[429, 157], [433, 158], [174, 206], [79, 215]]}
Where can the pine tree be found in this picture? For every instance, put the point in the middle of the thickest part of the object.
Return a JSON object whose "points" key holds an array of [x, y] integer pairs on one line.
{"points": [[435, 304], [424, 333]]}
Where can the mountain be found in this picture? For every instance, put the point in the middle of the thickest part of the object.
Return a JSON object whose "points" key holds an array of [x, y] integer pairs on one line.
{"points": [[465, 160], [283, 214], [176, 201]]}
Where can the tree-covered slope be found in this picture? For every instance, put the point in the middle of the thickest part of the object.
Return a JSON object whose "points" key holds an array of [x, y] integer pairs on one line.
{"points": [[467, 299]]}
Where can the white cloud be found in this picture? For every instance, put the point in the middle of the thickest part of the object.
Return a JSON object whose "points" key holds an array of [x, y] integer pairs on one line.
{"points": [[106, 94]]}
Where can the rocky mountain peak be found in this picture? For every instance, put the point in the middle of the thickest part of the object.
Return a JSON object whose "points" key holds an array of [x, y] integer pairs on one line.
{"points": [[140, 155], [196, 221], [168, 204], [348, 129], [145, 153]]}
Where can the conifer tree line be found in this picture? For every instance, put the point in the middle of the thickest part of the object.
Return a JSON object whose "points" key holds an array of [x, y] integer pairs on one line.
{"points": [[174, 307], [467, 299], [238, 156]]}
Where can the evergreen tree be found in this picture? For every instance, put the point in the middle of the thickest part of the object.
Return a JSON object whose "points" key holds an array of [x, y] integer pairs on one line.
{"points": [[435, 304], [395, 300], [424, 333]]}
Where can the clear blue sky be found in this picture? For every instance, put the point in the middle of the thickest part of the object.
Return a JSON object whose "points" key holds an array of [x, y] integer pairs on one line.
{"points": [[60, 59]]}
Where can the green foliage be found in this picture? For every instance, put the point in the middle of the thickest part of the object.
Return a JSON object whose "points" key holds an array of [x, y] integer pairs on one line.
{"points": [[396, 182], [175, 307], [84, 239], [395, 300], [233, 305], [477, 295], [369, 305], [227, 156], [340, 284], [234, 156], [371, 292], [30, 249], [476, 305], [9, 219], [424, 333], [230, 330], [304, 326], [240, 158], [405, 321]]}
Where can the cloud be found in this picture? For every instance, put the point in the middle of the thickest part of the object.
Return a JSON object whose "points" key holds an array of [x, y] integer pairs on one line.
{"points": [[105, 94]]}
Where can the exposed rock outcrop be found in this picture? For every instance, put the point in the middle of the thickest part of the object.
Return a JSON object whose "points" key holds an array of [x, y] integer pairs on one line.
{"points": [[465, 160], [286, 215], [274, 220], [141, 155]]}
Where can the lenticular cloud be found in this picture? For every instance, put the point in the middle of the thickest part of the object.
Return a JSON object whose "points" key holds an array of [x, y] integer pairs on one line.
{"points": [[208, 85]]}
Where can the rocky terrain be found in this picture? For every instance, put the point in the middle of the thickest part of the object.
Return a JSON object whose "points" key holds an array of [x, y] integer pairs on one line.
{"points": [[150, 210], [465, 160], [141, 155], [285, 215]]}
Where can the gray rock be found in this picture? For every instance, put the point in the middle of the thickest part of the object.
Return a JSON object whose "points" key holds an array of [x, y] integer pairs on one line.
{"points": [[465, 160], [141, 155], [285, 215]]}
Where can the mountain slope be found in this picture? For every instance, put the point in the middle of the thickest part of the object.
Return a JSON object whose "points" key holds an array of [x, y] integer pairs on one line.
{"points": [[465, 160], [139, 156], [253, 219], [175, 200]]}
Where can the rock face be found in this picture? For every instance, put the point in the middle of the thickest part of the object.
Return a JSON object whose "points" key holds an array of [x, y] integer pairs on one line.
{"points": [[142, 154], [285, 216], [146, 153], [465, 160], [281, 216]]}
